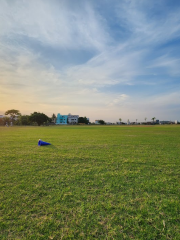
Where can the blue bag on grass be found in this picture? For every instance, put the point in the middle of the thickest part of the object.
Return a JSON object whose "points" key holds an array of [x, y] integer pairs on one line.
{"points": [[42, 143]]}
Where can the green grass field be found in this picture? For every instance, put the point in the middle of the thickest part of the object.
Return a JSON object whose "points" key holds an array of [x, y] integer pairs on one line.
{"points": [[93, 182]]}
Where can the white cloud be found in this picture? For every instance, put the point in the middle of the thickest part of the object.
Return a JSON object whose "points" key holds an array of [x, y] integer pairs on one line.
{"points": [[145, 28], [168, 64], [118, 101], [54, 23], [27, 78]]}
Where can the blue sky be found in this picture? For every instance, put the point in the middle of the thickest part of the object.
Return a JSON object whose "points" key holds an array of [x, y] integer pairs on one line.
{"points": [[100, 59]]}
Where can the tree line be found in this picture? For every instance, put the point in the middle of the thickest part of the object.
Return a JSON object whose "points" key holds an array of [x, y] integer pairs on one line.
{"points": [[14, 117]]}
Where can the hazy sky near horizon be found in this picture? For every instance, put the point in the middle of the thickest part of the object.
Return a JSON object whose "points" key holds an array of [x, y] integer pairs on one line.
{"points": [[103, 59]]}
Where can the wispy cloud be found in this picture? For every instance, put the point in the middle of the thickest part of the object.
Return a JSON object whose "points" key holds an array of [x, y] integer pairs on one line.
{"points": [[59, 23], [168, 64], [128, 45], [119, 100]]}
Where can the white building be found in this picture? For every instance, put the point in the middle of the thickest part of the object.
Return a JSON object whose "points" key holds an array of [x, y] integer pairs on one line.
{"points": [[164, 122], [72, 119]]}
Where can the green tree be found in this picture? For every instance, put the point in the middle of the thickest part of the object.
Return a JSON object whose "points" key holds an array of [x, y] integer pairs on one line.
{"points": [[39, 118], [53, 118], [24, 120], [153, 119], [145, 119], [120, 120], [13, 113], [83, 120], [101, 122], [5, 120], [1, 121]]}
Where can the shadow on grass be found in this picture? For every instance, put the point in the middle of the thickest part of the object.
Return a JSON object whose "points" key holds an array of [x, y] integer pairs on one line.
{"points": [[48, 146], [52, 146]]}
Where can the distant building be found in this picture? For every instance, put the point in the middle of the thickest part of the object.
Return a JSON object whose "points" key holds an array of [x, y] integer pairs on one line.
{"points": [[61, 119], [1, 116], [157, 121], [176, 121], [164, 122], [72, 119], [97, 122]]}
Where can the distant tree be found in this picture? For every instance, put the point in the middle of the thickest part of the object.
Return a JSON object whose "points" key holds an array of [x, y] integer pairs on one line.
{"points": [[153, 119], [145, 119], [39, 118], [1, 121], [53, 118], [102, 122], [13, 114], [24, 120], [83, 120], [120, 120], [136, 121], [5, 120]]}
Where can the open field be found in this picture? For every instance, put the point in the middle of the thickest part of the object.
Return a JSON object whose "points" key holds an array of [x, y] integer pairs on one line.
{"points": [[93, 182]]}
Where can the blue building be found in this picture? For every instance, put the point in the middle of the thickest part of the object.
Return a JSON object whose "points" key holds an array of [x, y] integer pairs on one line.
{"points": [[61, 119]]}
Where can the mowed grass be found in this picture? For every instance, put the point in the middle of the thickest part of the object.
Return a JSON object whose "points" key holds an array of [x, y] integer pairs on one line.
{"points": [[93, 182]]}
